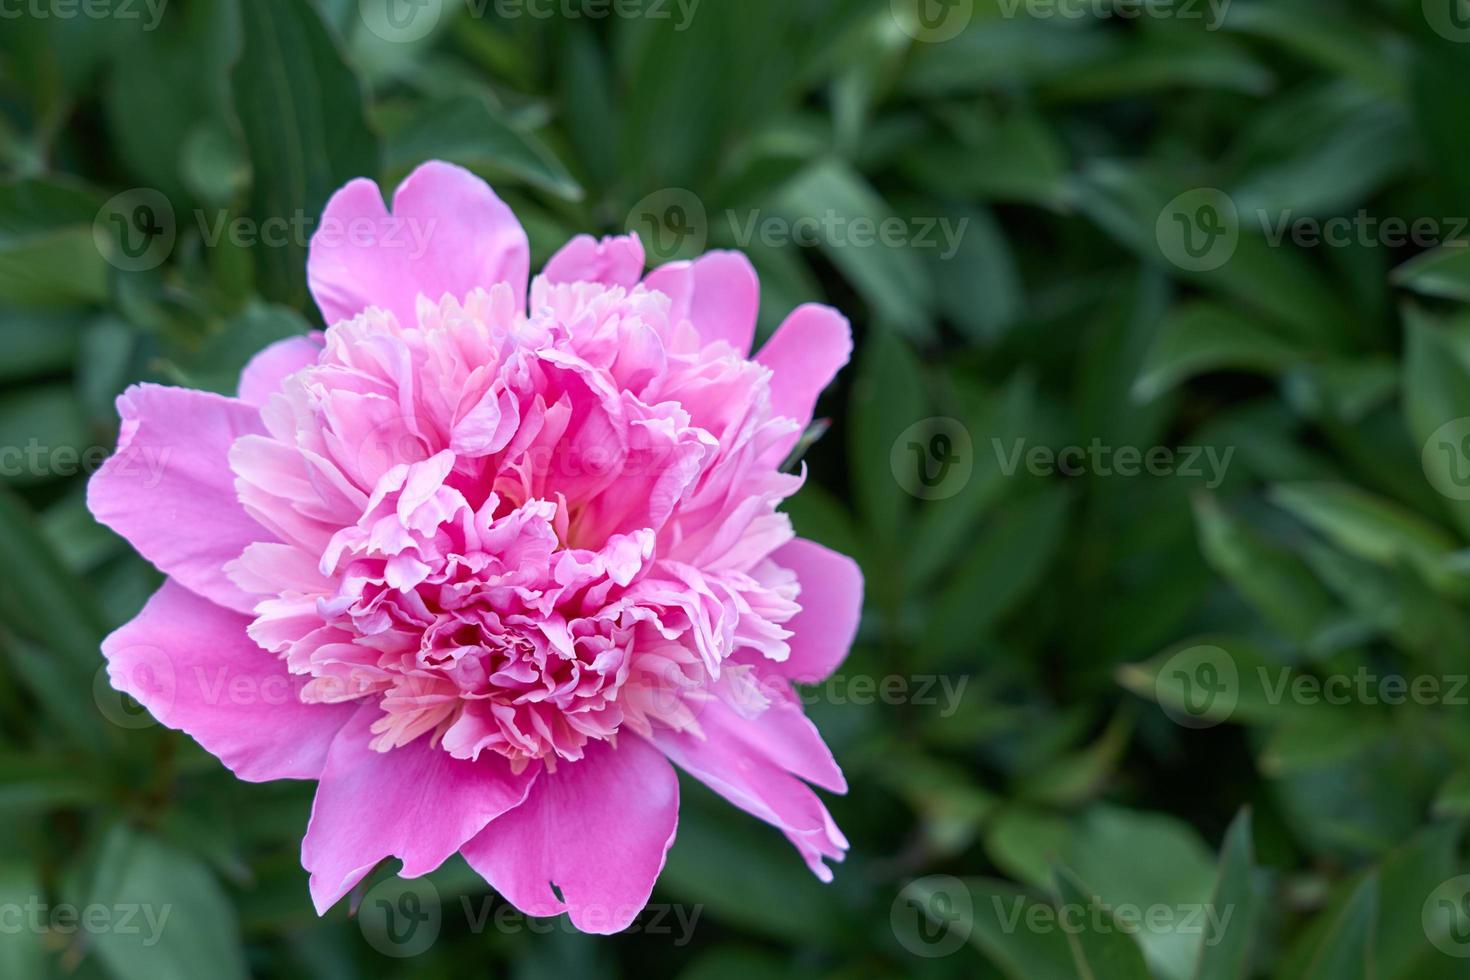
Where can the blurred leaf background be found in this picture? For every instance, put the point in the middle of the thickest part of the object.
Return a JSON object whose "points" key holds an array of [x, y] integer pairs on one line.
{"points": [[1045, 632]]}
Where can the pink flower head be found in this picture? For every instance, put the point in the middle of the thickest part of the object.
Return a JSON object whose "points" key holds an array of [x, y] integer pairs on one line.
{"points": [[482, 566]]}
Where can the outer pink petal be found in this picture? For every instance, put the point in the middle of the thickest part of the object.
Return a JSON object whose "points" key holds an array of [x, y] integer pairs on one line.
{"points": [[613, 261], [758, 786], [448, 233], [722, 293], [598, 830], [805, 354], [169, 490], [417, 803], [831, 603], [782, 734], [191, 665], [262, 377]]}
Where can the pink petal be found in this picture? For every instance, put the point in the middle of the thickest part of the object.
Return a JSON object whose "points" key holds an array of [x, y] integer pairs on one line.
{"points": [[416, 802], [191, 665], [614, 261], [718, 292], [759, 786], [805, 354], [169, 490], [262, 377], [782, 734], [831, 603], [448, 233], [598, 829]]}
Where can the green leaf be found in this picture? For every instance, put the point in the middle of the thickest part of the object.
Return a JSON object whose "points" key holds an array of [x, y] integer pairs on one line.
{"points": [[48, 254], [1002, 929], [1371, 528], [1012, 555], [1444, 271], [1436, 397], [1225, 952], [890, 277], [1204, 337], [1346, 951], [1100, 953], [21, 954], [40, 597], [889, 395], [467, 130], [182, 917], [301, 109], [1276, 582]]}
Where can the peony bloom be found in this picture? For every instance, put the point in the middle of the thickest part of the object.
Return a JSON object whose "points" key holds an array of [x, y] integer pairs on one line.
{"points": [[485, 567]]}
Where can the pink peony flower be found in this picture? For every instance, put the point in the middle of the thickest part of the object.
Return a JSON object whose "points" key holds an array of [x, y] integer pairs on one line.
{"points": [[483, 567]]}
